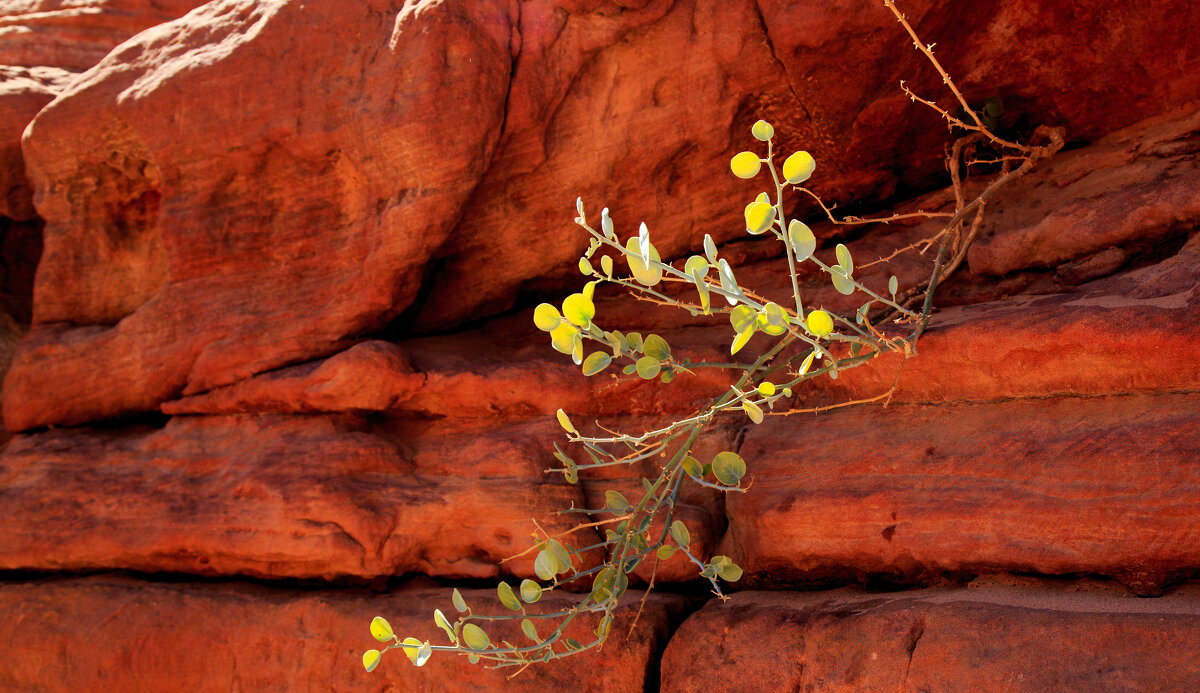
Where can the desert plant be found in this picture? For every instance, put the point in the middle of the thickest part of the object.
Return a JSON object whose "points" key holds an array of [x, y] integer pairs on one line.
{"points": [[806, 343]]}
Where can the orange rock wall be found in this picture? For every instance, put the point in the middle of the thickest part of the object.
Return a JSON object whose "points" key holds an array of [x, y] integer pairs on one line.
{"points": [[276, 371]]}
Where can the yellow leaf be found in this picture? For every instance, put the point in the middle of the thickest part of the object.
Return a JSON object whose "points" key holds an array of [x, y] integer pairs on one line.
{"points": [[745, 165], [798, 167]]}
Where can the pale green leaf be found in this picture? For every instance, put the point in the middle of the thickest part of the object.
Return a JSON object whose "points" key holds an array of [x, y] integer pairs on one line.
{"points": [[680, 533], [728, 467], [596, 362], [753, 411], [475, 638], [802, 239], [530, 591], [648, 367], [507, 597]]}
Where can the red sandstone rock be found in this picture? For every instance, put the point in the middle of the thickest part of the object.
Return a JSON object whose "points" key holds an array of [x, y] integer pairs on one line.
{"points": [[1100, 485], [1037, 637], [23, 92], [200, 256], [129, 635], [369, 376], [195, 237], [278, 496]]}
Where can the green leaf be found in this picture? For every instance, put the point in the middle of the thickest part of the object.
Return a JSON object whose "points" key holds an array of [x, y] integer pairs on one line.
{"points": [[614, 501], [562, 559], [841, 280], [529, 631], [370, 659], [893, 285], [579, 309], [475, 638], [596, 362], [680, 533], [459, 603], [762, 131], [381, 630], [665, 552], [802, 239], [572, 644], [994, 106], [530, 591], [606, 264], [646, 275], [667, 376], [440, 620], [411, 648], [752, 410], [545, 566], [730, 572], [691, 465], [696, 263], [604, 626], [648, 367], [742, 318], [609, 583], [507, 597], [844, 259], [585, 267], [745, 165], [798, 167], [710, 249], [766, 389], [740, 340], [656, 347], [546, 317], [729, 468]]}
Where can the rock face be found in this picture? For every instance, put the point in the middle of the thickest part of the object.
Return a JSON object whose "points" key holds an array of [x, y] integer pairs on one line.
{"points": [[281, 330]]}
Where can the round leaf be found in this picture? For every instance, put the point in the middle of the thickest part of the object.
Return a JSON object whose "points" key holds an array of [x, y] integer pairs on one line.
{"points": [[642, 273], [545, 566], [729, 467], [759, 217], [562, 560], [475, 638], [371, 659], [802, 239], [730, 572], [546, 317], [742, 318], [762, 131], [819, 323], [459, 603], [745, 165], [656, 347], [766, 389], [665, 552], [648, 367], [530, 591], [606, 265], [691, 465], [680, 533], [579, 309], [507, 597], [798, 167], [696, 263], [596, 362], [585, 267], [381, 630], [841, 280], [615, 501], [844, 259], [562, 338]]}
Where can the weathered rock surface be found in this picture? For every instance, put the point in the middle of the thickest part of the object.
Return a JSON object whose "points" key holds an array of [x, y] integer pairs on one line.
{"points": [[23, 92], [280, 496], [912, 492], [206, 281], [989, 637], [182, 255], [130, 635]]}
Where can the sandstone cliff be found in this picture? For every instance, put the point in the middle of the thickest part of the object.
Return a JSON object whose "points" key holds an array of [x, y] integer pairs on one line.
{"points": [[276, 372]]}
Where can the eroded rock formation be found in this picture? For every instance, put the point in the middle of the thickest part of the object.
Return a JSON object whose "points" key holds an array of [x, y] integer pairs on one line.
{"points": [[280, 331]]}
